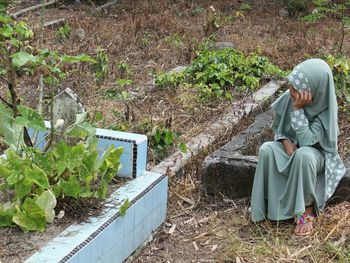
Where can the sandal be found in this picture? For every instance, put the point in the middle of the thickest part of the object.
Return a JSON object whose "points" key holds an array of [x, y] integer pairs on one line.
{"points": [[304, 220]]}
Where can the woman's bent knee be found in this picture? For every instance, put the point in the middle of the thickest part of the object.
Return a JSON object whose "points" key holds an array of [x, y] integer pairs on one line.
{"points": [[306, 155], [266, 148]]}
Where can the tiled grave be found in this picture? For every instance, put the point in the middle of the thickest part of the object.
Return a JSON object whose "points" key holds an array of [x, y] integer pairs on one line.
{"points": [[110, 237]]}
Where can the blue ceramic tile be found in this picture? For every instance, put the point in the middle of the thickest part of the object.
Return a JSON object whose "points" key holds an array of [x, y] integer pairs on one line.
{"points": [[148, 201], [141, 157], [156, 218], [74, 259], [96, 249], [156, 194], [163, 211], [112, 235], [123, 135], [114, 255], [53, 252], [128, 221], [85, 254], [128, 244], [147, 225], [139, 210], [139, 235]]}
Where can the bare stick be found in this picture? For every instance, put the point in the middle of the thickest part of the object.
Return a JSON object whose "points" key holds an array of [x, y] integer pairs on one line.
{"points": [[6, 102], [52, 130], [110, 3], [33, 8], [15, 100]]}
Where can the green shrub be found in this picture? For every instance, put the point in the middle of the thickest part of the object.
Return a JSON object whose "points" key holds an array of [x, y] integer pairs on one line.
{"points": [[214, 72], [297, 8], [341, 73]]}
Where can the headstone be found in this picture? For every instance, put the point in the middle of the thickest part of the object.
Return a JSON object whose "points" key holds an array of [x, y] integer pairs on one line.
{"points": [[66, 106]]}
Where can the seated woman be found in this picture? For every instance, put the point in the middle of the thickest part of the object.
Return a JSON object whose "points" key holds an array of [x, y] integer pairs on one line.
{"points": [[299, 171]]}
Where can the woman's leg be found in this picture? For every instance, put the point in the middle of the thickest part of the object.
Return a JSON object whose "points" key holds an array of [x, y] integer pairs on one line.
{"points": [[268, 183], [300, 196]]}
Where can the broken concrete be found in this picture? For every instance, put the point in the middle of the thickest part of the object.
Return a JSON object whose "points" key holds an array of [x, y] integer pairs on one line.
{"points": [[230, 170]]}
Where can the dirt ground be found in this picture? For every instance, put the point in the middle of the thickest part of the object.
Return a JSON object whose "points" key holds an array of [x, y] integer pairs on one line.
{"points": [[156, 36]]}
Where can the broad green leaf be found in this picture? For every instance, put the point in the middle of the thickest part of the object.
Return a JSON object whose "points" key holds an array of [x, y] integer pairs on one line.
{"points": [[100, 161], [157, 136], [23, 188], [81, 130], [5, 19], [102, 189], [61, 153], [79, 58], [11, 132], [71, 187], [85, 192], [6, 214], [31, 217], [124, 207], [47, 202], [14, 178], [21, 58], [6, 31], [169, 137], [30, 118], [183, 147], [98, 116], [37, 176], [56, 189]]}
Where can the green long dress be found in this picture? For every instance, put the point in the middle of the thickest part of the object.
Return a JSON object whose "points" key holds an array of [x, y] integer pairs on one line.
{"points": [[284, 185]]}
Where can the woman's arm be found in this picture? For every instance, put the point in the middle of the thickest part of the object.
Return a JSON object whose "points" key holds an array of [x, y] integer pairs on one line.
{"points": [[307, 134]]}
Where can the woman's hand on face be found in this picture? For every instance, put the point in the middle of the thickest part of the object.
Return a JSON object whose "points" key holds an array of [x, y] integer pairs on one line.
{"points": [[289, 147], [302, 99]]}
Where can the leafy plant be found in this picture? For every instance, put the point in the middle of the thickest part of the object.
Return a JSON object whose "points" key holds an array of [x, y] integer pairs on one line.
{"points": [[245, 7], [162, 141], [174, 40], [33, 180], [124, 69], [341, 74], [101, 67], [64, 31], [297, 8], [118, 91], [197, 10], [213, 73], [146, 40], [162, 138]]}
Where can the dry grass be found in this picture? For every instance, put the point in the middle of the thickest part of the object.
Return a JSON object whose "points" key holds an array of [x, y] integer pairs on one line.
{"points": [[330, 241]]}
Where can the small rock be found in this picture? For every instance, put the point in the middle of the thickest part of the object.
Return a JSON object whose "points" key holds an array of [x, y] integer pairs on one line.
{"points": [[78, 34], [284, 12], [178, 69], [223, 45]]}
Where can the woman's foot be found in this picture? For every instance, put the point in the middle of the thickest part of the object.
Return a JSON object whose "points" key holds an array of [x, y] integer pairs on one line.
{"points": [[305, 223]]}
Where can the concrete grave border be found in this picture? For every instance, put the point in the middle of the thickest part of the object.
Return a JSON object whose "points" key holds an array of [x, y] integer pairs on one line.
{"points": [[230, 169]]}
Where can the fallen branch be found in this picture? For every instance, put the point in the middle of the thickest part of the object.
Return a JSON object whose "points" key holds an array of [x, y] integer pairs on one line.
{"points": [[32, 8], [54, 23], [110, 3]]}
